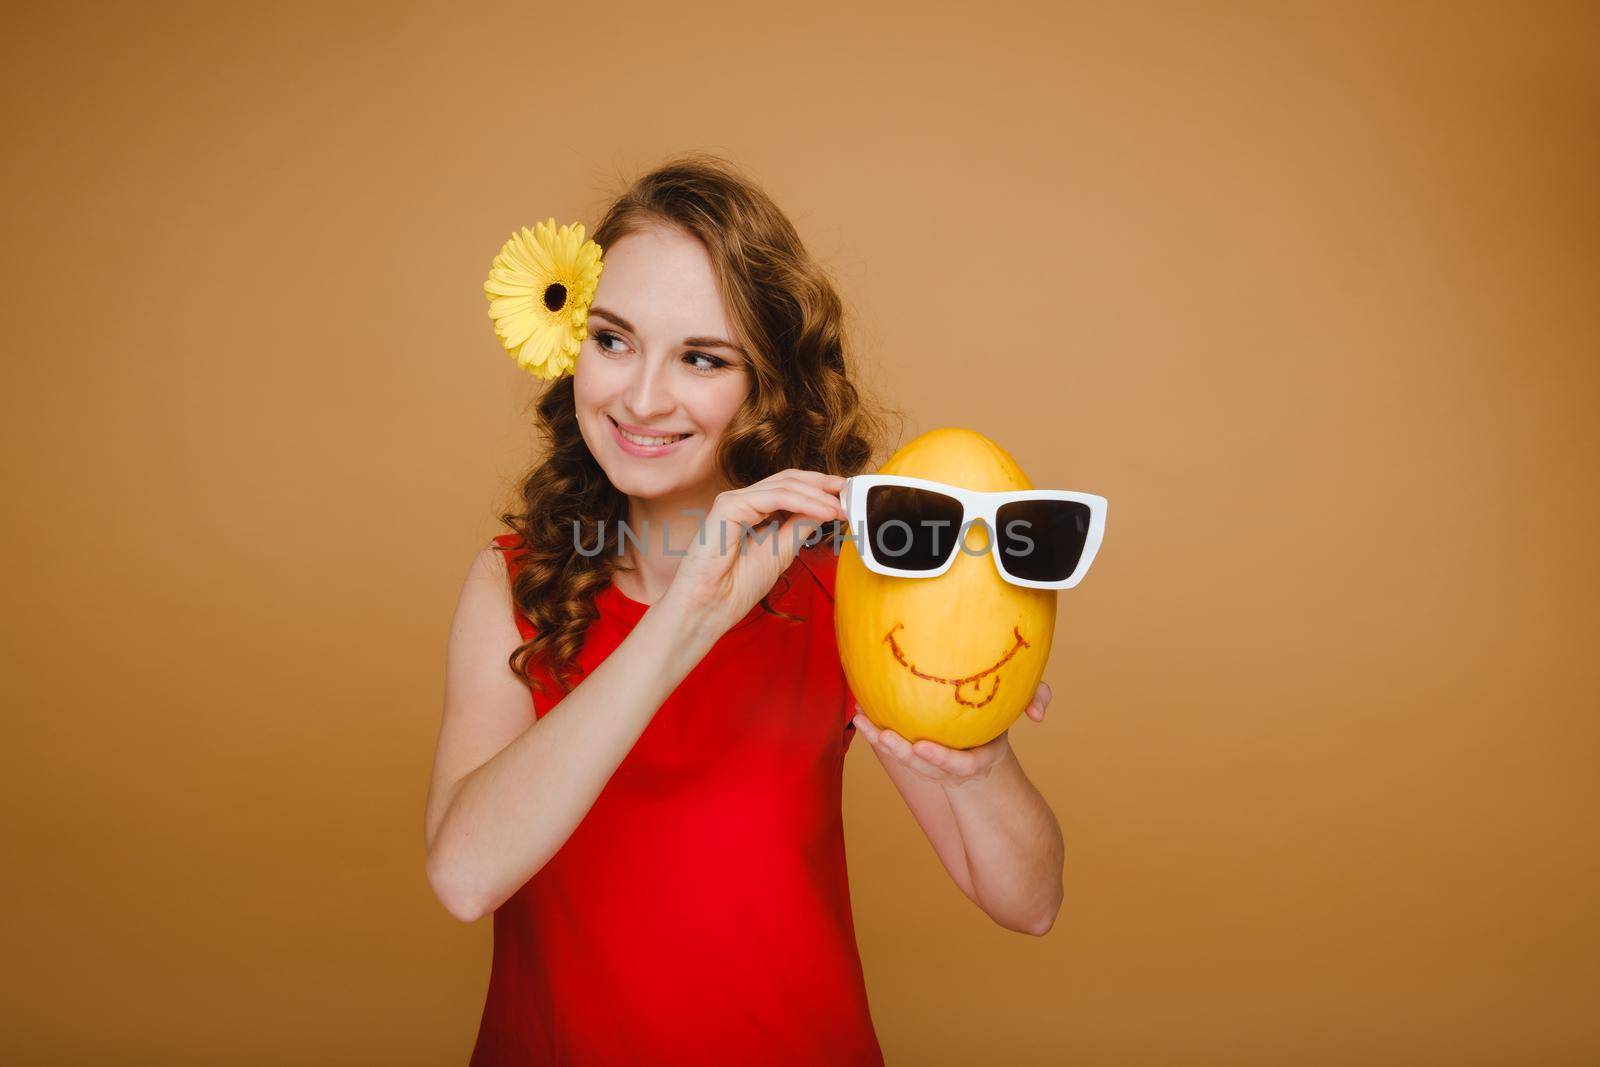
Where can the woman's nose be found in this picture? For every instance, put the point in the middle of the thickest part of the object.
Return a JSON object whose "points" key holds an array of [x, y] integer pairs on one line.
{"points": [[648, 396]]}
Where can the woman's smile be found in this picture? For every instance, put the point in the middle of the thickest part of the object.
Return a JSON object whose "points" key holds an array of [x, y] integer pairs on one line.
{"points": [[636, 442]]}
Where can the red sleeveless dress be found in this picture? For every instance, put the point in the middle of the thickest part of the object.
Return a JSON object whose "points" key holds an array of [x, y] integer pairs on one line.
{"points": [[700, 913]]}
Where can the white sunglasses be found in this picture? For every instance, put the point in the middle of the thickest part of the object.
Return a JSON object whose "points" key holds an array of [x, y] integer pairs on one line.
{"points": [[913, 527]]}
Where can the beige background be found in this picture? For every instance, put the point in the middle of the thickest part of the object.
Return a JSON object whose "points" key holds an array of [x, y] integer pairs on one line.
{"points": [[1309, 292]]}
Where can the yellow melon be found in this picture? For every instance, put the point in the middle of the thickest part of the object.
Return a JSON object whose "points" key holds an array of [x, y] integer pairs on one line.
{"points": [[954, 659]]}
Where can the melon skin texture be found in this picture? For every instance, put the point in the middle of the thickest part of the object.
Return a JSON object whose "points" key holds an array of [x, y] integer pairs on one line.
{"points": [[953, 659]]}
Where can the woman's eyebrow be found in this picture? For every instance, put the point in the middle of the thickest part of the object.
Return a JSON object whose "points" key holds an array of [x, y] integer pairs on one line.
{"points": [[702, 342]]}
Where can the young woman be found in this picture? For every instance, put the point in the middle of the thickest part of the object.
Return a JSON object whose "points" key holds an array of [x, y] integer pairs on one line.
{"points": [[658, 830]]}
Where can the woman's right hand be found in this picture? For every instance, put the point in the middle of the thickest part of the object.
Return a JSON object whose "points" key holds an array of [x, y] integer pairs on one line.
{"points": [[725, 573]]}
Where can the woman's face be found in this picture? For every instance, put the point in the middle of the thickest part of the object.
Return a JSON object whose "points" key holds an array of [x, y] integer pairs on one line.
{"points": [[660, 362]]}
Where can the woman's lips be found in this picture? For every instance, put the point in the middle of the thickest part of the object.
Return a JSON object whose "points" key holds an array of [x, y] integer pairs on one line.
{"points": [[643, 451]]}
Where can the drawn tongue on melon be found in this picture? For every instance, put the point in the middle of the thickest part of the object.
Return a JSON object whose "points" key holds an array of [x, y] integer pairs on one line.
{"points": [[976, 694]]}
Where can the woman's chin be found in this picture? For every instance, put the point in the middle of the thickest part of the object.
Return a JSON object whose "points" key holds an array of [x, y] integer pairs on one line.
{"points": [[658, 485], [643, 484]]}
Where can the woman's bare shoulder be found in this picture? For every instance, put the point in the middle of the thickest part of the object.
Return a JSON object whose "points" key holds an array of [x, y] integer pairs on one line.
{"points": [[492, 560], [483, 612]]}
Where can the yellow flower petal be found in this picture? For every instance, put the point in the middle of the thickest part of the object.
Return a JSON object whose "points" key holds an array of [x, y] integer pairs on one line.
{"points": [[544, 343]]}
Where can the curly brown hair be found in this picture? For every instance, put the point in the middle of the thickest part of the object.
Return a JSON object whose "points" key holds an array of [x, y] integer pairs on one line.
{"points": [[803, 409]]}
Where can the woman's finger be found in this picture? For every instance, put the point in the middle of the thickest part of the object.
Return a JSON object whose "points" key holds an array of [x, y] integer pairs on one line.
{"points": [[753, 510], [1041, 700], [794, 480], [901, 749], [865, 726], [956, 762], [755, 504], [828, 483]]}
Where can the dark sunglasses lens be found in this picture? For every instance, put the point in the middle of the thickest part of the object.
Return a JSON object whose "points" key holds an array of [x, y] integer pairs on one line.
{"points": [[1042, 540], [912, 529]]}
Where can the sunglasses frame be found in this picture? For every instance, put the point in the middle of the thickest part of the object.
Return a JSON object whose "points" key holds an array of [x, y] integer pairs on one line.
{"points": [[975, 505]]}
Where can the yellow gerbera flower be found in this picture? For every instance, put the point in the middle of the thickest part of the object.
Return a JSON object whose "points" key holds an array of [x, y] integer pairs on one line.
{"points": [[539, 291]]}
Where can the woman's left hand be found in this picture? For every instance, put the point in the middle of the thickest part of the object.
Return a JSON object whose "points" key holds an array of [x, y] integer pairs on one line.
{"points": [[948, 766]]}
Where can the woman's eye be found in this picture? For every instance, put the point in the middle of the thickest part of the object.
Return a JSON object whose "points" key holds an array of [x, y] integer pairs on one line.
{"points": [[602, 336], [711, 362]]}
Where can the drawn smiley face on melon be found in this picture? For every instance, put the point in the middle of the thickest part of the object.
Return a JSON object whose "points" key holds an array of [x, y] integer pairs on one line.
{"points": [[957, 658]]}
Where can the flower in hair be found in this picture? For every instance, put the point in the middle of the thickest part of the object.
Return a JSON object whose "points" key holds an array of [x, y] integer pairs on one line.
{"points": [[539, 291]]}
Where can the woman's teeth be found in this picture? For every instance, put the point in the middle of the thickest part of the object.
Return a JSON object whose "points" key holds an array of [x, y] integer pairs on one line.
{"points": [[636, 439]]}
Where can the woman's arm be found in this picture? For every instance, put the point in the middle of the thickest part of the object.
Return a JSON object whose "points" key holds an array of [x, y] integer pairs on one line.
{"points": [[1014, 846], [991, 828], [931, 808], [508, 790]]}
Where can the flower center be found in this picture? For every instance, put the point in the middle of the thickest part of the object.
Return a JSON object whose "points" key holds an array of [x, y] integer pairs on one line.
{"points": [[555, 296]]}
